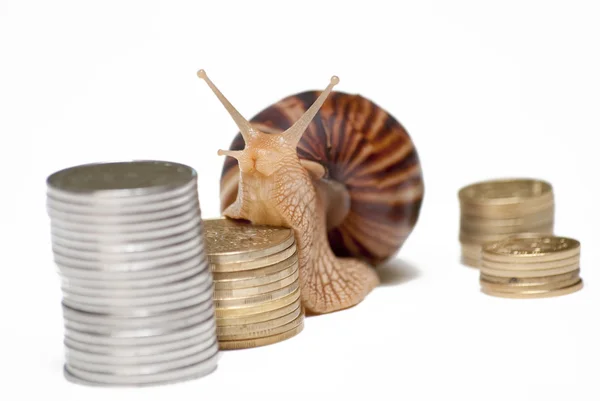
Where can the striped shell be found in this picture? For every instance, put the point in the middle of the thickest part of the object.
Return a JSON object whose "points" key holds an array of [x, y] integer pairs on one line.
{"points": [[366, 149]]}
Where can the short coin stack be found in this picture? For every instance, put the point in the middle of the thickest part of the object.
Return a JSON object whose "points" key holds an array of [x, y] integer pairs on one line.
{"points": [[137, 291], [256, 283], [494, 210], [531, 266]]}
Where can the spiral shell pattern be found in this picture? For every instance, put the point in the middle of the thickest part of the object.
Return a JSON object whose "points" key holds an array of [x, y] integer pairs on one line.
{"points": [[363, 147]]}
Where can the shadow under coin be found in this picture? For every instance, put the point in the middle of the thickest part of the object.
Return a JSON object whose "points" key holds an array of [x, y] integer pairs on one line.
{"points": [[395, 272]]}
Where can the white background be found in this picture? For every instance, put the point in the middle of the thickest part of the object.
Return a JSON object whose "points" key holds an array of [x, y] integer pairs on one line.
{"points": [[486, 89]]}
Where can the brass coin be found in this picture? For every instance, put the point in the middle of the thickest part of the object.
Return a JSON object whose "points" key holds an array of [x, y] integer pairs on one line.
{"points": [[536, 294], [258, 308], [254, 264], [520, 288], [472, 251], [528, 273], [243, 330], [531, 248], [233, 241], [529, 281], [504, 191], [516, 265], [504, 212], [496, 230], [264, 332], [259, 342], [470, 262], [259, 317], [486, 223], [257, 299], [259, 290], [254, 277], [489, 238]]}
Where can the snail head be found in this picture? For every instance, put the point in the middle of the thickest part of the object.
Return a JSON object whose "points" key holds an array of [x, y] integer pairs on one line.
{"points": [[263, 153]]}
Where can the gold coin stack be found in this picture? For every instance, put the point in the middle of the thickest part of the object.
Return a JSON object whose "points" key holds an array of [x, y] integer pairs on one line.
{"points": [[496, 209], [531, 266], [256, 283]]}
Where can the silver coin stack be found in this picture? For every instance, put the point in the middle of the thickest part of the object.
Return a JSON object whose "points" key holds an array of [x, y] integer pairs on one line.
{"points": [[128, 242]]}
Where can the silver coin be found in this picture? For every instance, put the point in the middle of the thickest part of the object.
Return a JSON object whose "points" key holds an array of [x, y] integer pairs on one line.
{"points": [[169, 288], [147, 331], [116, 229], [139, 341], [136, 279], [146, 310], [124, 257], [73, 315], [121, 215], [187, 373], [127, 331], [126, 200], [130, 283], [146, 369], [134, 351], [90, 357], [119, 238], [204, 283], [120, 179], [128, 246], [145, 268]]}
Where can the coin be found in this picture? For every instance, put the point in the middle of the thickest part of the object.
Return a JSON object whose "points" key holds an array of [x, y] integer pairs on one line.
{"points": [[132, 351], [203, 283], [529, 281], [516, 265], [258, 317], [189, 372], [263, 332], [167, 336], [526, 219], [120, 179], [258, 308], [255, 263], [506, 192], [256, 277], [482, 230], [528, 273], [249, 330], [73, 316], [536, 294], [259, 342], [229, 241], [483, 239], [259, 290], [532, 287], [258, 299], [128, 244], [139, 369], [74, 354], [531, 248]]}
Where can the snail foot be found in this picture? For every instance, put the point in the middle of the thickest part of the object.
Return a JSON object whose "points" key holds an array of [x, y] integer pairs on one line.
{"points": [[336, 284]]}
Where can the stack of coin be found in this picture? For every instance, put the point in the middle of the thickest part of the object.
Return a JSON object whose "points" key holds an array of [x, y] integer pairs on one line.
{"points": [[494, 210], [256, 283], [531, 266], [128, 242]]}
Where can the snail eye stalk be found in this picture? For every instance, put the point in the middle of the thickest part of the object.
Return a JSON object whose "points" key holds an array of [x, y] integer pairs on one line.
{"points": [[293, 134], [245, 128]]}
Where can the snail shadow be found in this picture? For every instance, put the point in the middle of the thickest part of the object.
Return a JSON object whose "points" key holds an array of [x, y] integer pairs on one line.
{"points": [[396, 272]]}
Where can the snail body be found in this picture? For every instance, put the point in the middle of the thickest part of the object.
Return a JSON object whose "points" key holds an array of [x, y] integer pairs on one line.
{"points": [[337, 169]]}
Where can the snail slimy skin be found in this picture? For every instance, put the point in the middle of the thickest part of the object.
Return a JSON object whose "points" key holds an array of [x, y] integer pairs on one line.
{"points": [[338, 170]]}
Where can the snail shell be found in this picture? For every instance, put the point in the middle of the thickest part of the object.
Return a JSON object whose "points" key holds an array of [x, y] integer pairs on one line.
{"points": [[367, 151]]}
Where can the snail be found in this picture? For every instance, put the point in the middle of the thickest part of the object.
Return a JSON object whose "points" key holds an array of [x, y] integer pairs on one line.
{"points": [[338, 170]]}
